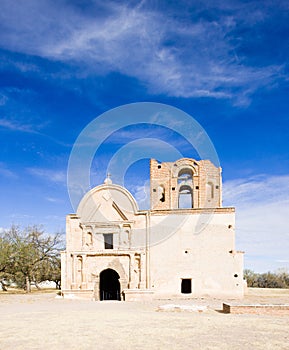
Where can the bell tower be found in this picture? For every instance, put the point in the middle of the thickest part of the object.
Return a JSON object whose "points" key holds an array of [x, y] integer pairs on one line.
{"points": [[185, 184]]}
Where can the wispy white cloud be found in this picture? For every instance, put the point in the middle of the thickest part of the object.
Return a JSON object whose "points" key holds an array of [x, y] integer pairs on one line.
{"points": [[17, 126], [142, 194], [17, 216], [6, 172], [169, 55], [16, 114], [257, 189], [133, 43], [54, 200], [3, 99], [262, 227], [32, 128], [55, 176]]}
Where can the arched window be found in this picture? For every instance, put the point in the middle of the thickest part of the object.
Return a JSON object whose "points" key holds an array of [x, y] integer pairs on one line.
{"points": [[161, 193], [210, 191], [89, 238], [185, 185]]}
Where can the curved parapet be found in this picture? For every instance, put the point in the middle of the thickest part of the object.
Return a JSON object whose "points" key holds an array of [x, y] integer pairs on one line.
{"points": [[108, 202]]}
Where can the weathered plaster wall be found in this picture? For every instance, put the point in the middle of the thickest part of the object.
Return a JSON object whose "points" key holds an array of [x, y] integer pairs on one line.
{"points": [[153, 251], [208, 257]]}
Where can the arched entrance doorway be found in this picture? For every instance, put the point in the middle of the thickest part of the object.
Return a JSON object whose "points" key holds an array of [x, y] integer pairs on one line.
{"points": [[109, 286]]}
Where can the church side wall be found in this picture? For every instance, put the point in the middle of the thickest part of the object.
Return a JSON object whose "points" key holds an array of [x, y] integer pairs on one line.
{"points": [[207, 258]]}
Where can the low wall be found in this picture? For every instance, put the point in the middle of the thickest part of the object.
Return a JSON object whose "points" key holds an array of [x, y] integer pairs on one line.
{"points": [[138, 295], [256, 309]]}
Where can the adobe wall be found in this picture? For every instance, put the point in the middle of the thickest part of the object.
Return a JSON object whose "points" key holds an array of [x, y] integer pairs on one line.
{"points": [[208, 258]]}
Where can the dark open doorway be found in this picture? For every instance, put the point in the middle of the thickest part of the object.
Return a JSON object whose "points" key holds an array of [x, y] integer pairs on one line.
{"points": [[109, 287], [186, 287]]}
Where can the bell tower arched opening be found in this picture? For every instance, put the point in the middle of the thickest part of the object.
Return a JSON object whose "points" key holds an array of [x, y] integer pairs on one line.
{"points": [[185, 197], [185, 186]]}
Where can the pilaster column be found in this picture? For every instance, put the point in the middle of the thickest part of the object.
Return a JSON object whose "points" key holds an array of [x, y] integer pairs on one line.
{"points": [[84, 272], [74, 271], [96, 289]]}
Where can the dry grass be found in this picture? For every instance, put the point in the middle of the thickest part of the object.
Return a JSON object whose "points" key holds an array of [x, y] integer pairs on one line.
{"points": [[41, 321]]}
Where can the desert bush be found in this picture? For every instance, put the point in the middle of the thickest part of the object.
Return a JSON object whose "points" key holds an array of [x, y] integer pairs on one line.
{"points": [[278, 279]]}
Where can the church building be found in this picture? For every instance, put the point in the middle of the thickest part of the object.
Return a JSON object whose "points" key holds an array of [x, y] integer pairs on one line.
{"points": [[184, 246]]}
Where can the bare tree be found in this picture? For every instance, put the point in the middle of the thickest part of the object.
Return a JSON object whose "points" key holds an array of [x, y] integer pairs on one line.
{"points": [[5, 261], [34, 255]]}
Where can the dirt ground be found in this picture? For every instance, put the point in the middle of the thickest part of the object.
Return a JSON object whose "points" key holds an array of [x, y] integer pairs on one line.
{"points": [[43, 321]]}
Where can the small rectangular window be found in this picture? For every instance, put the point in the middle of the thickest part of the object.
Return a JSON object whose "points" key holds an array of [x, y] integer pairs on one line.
{"points": [[186, 287], [108, 241]]}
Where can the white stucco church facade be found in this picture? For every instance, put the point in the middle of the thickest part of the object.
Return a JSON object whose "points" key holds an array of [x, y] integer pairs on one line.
{"points": [[184, 246]]}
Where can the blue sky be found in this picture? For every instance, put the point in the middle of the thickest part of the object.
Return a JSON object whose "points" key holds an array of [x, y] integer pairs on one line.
{"points": [[63, 63]]}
